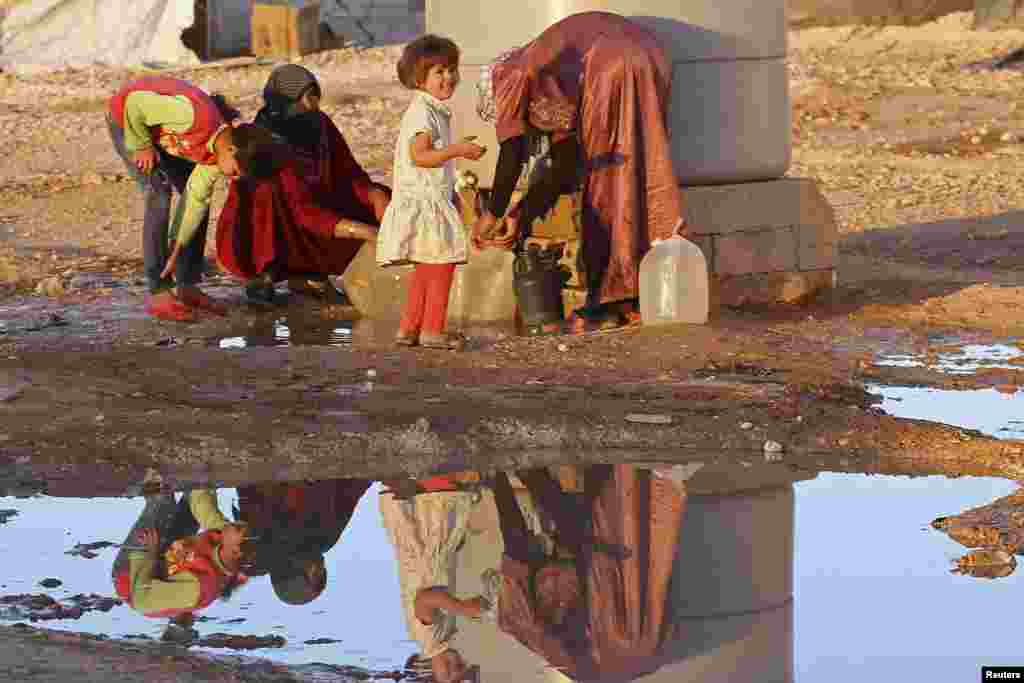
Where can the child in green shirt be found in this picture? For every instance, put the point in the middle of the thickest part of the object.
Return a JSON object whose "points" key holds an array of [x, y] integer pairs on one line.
{"points": [[174, 137]]}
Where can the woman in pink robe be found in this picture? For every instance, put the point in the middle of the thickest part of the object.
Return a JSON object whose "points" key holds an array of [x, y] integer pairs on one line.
{"points": [[598, 84]]}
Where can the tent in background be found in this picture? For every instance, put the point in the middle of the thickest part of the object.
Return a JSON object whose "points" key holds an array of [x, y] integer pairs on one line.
{"points": [[56, 33]]}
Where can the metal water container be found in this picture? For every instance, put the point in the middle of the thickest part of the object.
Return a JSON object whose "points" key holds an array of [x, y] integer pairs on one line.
{"points": [[730, 109], [537, 279]]}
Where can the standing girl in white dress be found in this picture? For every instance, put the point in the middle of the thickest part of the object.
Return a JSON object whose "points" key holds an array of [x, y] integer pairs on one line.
{"points": [[421, 224]]}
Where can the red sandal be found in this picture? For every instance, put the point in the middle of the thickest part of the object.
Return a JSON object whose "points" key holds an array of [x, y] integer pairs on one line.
{"points": [[165, 306], [203, 302]]}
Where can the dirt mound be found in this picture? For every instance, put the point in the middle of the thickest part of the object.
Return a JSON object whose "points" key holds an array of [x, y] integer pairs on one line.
{"points": [[804, 13]]}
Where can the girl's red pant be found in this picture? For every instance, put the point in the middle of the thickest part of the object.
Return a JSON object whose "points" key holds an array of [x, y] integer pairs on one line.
{"points": [[426, 309]]}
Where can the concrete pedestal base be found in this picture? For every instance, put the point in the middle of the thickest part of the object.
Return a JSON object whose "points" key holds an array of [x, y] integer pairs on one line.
{"points": [[765, 242]]}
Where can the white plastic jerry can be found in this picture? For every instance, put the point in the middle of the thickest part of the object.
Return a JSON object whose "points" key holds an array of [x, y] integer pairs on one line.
{"points": [[674, 286]]}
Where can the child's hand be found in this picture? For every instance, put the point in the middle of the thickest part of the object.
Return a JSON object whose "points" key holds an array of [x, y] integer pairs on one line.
{"points": [[145, 159], [150, 538], [379, 200], [172, 261], [467, 149]]}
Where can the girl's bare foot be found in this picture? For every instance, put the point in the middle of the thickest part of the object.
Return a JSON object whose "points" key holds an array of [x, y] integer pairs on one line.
{"points": [[407, 338], [448, 342]]}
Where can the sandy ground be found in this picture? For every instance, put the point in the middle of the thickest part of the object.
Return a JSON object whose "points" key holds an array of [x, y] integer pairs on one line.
{"points": [[918, 154]]}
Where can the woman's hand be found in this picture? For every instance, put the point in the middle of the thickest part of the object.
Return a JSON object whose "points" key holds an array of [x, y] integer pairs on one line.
{"points": [[145, 159], [482, 229], [509, 233], [172, 261], [355, 230], [149, 538]]}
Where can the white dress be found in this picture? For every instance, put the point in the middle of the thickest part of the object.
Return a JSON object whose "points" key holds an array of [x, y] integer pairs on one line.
{"points": [[421, 224], [426, 533]]}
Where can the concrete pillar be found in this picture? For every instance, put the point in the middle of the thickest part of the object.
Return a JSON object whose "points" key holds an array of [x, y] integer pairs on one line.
{"points": [[730, 113]]}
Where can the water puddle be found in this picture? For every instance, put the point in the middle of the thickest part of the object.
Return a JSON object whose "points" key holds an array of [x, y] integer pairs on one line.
{"points": [[959, 360], [771, 574], [287, 331], [996, 411]]}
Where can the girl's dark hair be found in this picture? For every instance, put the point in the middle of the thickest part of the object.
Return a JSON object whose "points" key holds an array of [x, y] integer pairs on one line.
{"points": [[228, 112], [423, 53], [259, 153]]}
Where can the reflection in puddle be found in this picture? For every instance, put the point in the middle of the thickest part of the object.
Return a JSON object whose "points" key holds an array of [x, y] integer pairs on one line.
{"points": [[964, 360], [768, 575], [997, 412], [282, 332]]}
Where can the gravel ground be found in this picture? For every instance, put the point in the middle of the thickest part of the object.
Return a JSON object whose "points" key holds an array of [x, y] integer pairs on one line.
{"points": [[889, 120]]}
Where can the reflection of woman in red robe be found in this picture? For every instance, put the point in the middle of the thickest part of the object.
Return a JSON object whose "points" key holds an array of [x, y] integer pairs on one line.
{"points": [[305, 213], [297, 524], [604, 615]]}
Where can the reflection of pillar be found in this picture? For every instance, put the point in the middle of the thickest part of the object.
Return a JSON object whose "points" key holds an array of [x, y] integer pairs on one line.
{"points": [[732, 584], [734, 587]]}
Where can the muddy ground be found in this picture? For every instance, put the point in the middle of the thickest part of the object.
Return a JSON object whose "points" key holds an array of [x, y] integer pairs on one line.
{"points": [[89, 379], [918, 153]]}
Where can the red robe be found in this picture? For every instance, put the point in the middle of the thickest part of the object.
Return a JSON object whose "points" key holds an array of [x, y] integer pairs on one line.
{"points": [[607, 79], [285, 223], [627, 619]]}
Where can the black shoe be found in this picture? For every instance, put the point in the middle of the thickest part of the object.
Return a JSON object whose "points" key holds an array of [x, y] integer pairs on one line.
{"points": [[321, 289], [260, 294]]}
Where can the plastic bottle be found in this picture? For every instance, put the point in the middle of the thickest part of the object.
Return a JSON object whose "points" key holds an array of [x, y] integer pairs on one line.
{"points": [[674, 285]]}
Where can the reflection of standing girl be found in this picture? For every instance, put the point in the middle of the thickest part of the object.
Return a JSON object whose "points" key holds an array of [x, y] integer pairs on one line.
{"points": [[426, 532]]}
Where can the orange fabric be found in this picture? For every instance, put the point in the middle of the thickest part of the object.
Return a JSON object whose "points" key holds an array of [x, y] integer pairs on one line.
{"points": [[193, 554]]}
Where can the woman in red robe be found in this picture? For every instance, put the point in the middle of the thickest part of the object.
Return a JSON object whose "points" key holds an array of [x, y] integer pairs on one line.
{"points": [[305, 210], [598, 85]]}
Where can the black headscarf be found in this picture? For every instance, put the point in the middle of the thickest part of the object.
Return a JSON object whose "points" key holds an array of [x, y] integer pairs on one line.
{"points": [[285, 87]]}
